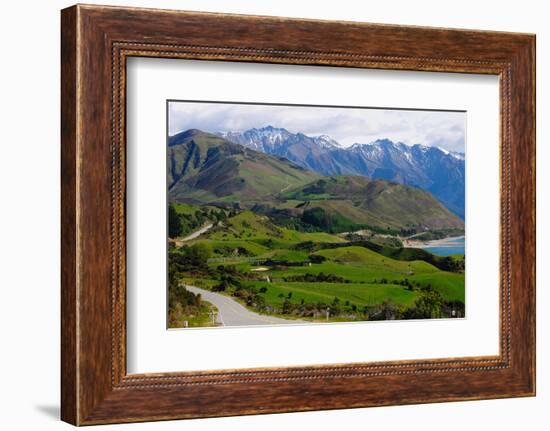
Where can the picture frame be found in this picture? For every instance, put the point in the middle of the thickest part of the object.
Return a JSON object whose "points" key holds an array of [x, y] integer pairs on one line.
{"points": [[96, 42]]}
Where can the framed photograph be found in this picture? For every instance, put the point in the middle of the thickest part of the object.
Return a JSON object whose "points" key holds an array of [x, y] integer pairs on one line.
{"points": [[322, 214], [271, 226]]}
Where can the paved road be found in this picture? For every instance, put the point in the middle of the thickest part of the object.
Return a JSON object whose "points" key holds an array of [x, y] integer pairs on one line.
{"points": [[231, 313], [198, 233]]}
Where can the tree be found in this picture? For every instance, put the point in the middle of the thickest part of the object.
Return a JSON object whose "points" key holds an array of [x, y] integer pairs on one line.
{"points": [[428, 306], [189, 258], [174, 222], [317, 258], [222, 286], [200, 253], [318, 217]]}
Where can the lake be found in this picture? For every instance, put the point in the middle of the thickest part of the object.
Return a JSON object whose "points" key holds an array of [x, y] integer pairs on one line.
{"points": [[447, 246]]}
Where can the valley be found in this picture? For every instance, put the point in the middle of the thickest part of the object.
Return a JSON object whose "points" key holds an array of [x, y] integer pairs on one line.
{"points": [[285, 242]]}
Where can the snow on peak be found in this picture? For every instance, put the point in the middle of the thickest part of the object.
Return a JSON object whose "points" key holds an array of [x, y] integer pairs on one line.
{"points": [[386, 143], [326, 141], [258, 138], [457, 155]]}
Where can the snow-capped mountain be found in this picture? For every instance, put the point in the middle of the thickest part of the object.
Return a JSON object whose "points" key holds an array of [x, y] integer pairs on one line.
{"points": [[272, 140], [267, 139], [434, 169], [326, 141], [440, 172], [310, 152]]}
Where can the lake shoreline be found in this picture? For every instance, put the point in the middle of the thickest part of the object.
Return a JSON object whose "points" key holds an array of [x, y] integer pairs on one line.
{"points": [[443, 242]]}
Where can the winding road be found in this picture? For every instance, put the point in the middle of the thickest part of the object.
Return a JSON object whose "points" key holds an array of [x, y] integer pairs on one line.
{"points": [[196, 234], [231, 313]]}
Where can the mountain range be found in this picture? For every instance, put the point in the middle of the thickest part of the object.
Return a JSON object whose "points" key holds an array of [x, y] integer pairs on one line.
{"points": [[440, 172], [205, 168]]}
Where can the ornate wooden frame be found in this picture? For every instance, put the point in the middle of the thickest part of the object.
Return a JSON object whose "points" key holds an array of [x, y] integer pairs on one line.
{"points": [[96, 41]]}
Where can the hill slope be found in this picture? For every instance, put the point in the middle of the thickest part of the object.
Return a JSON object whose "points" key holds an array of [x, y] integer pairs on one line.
{"points": [[377, 203], [204, 168]]}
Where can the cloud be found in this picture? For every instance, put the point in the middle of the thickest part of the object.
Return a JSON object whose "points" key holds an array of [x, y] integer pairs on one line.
{"points": [[445, 129]]}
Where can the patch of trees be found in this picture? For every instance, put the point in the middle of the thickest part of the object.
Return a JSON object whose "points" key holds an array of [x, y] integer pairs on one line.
{"points": [[229, 276], [305, 245], [453, 309], [284, 217], [247, 294], [282, 262], [316, 258], [177, 293], [292, 222], [317, 310], [411, 285], [429, 305], [181, 224], [365, 235], [182, 303], [224, 250], [189, 258], [317, 188], [325, 221], [227, 282], [314, 278]]}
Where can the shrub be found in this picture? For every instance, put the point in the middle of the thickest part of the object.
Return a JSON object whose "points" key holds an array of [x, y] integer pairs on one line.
{"points": [[316, 258]]}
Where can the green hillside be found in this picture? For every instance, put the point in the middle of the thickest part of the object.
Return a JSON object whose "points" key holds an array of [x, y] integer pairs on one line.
{"points": [[283, 272], [378, 203], [255, 235], [205, 168], [254, 227]]}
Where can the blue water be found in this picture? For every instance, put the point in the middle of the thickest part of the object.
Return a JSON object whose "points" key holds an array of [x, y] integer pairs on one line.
{"points": [[456, 246]]}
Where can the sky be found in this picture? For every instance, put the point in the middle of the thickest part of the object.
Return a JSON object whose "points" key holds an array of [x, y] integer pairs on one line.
{"points": [[444, 129]]}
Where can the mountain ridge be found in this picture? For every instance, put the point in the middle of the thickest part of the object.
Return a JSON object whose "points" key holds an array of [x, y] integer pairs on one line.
{"points": [[438, 171], [204, 168]]}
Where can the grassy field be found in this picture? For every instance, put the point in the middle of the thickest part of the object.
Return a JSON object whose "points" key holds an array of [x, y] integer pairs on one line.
{"points": [[361, 267], [260, 238], [355, 294], [268, 269], [255, 228], [182, 208]]}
